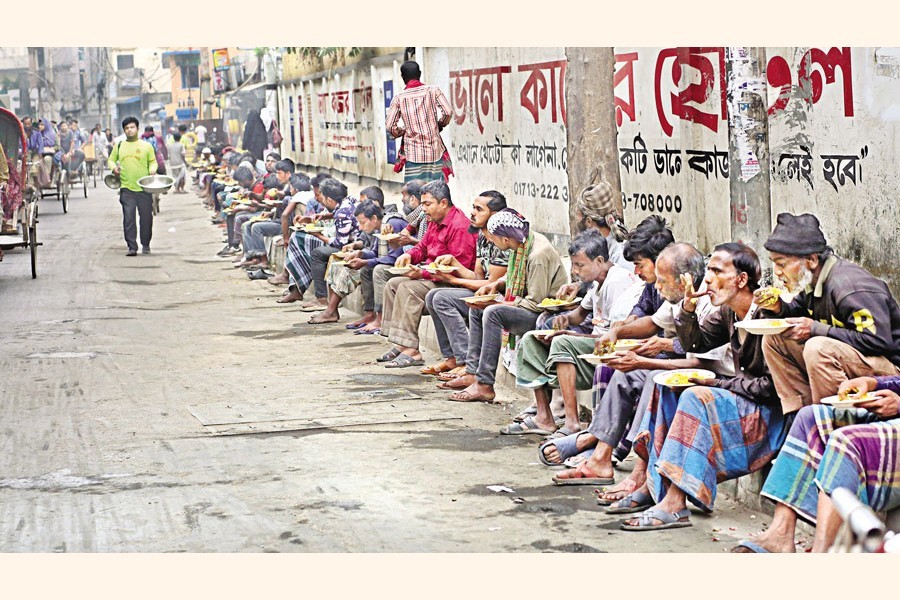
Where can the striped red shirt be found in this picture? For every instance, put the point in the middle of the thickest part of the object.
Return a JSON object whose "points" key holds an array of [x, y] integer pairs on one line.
{"points": [[423, 110]]}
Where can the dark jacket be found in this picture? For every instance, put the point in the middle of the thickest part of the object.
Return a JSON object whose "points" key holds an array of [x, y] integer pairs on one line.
{"points": [[852, 306], [255, 139], [752, 380]]}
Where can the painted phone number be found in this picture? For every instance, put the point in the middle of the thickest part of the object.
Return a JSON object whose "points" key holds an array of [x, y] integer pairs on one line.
{"points": [[542, 190], [652, 202]]}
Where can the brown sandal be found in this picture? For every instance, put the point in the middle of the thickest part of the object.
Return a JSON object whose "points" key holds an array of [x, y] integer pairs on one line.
{"points": [[437, 368], [452, 373]]}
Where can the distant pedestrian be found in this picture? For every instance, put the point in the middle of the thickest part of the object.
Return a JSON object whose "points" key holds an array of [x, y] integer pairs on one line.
{"points": [[425, 111], [177, 162], [131, 160]]}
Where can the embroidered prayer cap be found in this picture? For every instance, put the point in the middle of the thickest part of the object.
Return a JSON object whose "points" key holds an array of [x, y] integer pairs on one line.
{"points": [[509, 223], [797, 235]]}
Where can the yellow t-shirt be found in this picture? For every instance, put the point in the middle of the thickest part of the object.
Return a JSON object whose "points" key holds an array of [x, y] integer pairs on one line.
{"points": [[138, 159]]}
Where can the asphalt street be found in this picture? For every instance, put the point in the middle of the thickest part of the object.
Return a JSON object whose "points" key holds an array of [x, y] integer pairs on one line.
{"points": [[165, 403]]}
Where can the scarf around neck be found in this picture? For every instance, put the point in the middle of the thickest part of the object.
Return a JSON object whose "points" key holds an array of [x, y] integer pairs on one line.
{"points": [[515, 275], [413, 83]]}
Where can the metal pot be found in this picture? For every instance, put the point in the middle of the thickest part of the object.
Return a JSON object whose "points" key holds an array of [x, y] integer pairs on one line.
{"points": [[156, 184]]}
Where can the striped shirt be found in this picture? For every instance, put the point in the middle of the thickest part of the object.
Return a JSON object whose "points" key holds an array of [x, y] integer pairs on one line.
{"points": [[424, 111]]}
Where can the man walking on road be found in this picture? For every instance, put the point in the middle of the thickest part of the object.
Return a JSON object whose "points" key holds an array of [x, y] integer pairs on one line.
{"points": [[131, 160], [425, 111]]}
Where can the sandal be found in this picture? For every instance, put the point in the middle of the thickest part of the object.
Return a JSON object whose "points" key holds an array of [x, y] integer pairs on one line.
{"points": [[636, 501], [367, 332], [464, 396], [453, 374], [389, 355], [451, 385], [566, 446], [582, 476], [562, 432], [437, 368], [667, 520], [525, 427], [403, 360], [528, 412]]}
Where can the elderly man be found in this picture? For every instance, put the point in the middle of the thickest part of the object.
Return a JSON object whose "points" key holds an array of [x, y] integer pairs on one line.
{"points": [[827, 448], [404, 297], [631, 386], [721, 428], [425, 111], [448, 311], [548, 361], [596, 210], [845, 321]]}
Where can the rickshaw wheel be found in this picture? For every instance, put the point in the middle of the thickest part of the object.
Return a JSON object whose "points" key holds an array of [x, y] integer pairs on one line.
{"points": [[32, 242], [84, 183]]}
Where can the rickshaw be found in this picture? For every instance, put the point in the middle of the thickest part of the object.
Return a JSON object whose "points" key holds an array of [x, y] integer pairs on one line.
{"points": [[93, 167], [19, 199], [57, 185]]}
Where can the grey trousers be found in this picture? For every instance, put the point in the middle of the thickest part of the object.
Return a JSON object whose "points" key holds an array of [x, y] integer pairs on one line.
{"points": [[485, 334], [380, 277], [622, 406], [319, 263], [255, 234], [450, 316], [134, 205], [368, 288]]}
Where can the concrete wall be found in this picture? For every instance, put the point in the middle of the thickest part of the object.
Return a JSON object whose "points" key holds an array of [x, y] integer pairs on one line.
{"points": [[509, 128], [834, 126]]}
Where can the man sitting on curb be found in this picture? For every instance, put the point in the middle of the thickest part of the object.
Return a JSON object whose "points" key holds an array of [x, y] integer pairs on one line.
{"points": [[535, 270], [414, 214], [845, 321], [551, 360], [404, 297], [621, 407], [720, 428], [343, 279], [449, 313]]}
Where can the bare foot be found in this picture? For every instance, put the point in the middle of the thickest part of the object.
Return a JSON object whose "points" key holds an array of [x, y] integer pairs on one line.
{"points": [[477, 392], [323, 318], [618, 491], [460, 383]]}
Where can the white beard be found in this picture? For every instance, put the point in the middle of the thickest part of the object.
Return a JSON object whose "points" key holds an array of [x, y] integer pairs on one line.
{"points": [[805, 280]]}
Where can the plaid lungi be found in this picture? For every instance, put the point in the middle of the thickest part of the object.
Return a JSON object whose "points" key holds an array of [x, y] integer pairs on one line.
{"points": [[705, 436], [424, 171], [297, 259], [829, 448], [340, 279]]}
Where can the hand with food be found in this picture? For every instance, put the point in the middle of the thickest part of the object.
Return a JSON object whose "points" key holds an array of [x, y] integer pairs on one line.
{"points": [[561, 322], [690, 295], [655, 345], [568, 291], [446, 260], [488, 288], [356, 263], [886, 404], [853, 388], [768, 298], [403, 260], [606, 343], [387, 229], [405, 239], [626, 361]]}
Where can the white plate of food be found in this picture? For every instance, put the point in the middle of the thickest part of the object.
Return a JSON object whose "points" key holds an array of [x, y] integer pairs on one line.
{"points": [[543, 332], [596, 359], [387, 237], [399, 270], [680, 378], [433, 268], [555, 304], [848, 401], [483, 298], [764, 326]]}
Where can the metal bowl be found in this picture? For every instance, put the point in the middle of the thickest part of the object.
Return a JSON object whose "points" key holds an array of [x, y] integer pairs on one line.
{"points": [[112, 181], [156, 184]]}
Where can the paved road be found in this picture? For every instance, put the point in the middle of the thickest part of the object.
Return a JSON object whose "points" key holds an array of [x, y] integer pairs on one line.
{"points": [[109, 364]]}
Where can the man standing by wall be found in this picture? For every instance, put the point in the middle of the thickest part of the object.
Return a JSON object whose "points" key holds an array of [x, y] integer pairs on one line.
{"points": [[131, 160], [425, 111]]}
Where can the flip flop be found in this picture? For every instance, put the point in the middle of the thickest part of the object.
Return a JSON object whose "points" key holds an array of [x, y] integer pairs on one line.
{"points": [[528, 412], [367, 332], [453, 374], [352, 326], [582, 476], [566, 446], [389, 355], [573, 461], [562, 432], [640, 500], [436, 369], [748, 547], [459, 386], [668, 520], [527, 426], [608, 502], [464, 396], [402, 361]]}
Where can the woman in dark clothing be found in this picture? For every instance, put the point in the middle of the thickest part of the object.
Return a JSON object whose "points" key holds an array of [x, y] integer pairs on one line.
{"points": [[255, 139]]}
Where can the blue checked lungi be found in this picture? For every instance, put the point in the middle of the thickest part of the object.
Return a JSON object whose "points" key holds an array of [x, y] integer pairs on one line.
{"points": [[829, 448], [297, 259], [705, 436], [423, 171]]}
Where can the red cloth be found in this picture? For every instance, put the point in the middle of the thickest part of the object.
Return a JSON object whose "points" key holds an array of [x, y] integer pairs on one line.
{"points": [[450, 236]]}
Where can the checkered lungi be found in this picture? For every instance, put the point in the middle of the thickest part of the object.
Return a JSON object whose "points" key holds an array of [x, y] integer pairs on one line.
{"points": [[297, 259], [704, 436], [829, 448]]}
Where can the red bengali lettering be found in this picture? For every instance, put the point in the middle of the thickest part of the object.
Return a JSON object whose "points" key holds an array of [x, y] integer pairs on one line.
{"points": [[536, 92], [625, 107]]}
